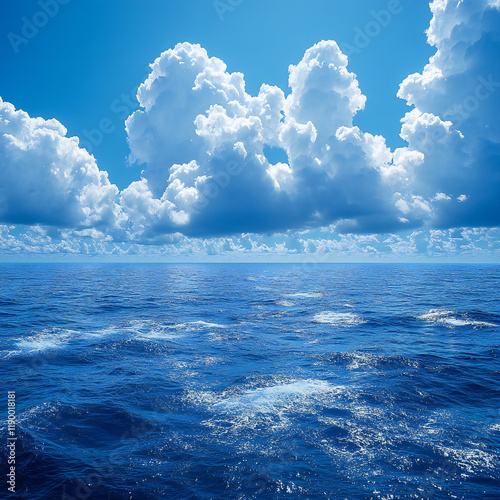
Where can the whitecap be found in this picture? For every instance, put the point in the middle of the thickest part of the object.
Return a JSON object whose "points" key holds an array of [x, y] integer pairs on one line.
{"points": [[361, 360], [284, 303], [449, 318], [142, 329], [206, 324], [267, 399], [434, 314], [471, 459], [151, 330], [305, 295], [462, 322], [45, 340], [337, 318], [346, 303]]}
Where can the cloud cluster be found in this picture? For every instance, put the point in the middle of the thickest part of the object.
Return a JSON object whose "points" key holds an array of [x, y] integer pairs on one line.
{"points": [[198, 125], [303, 247], [197, 119], [205, 146], [455, 122], [47, 178]]}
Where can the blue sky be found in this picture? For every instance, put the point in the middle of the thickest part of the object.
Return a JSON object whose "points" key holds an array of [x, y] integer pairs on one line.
{"points": [[431, 181], [93, 54]]}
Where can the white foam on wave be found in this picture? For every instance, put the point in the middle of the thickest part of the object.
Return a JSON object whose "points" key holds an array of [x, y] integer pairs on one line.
{"points": [[461, 322], [153, 330], [55, 338], [207, 324], [305, 295], [337, 318], [449, 318], [140, 329], [285, 303], [271, 408], [268, 399], [469, 458], [46, 340], [361, 360], [434, 314]]}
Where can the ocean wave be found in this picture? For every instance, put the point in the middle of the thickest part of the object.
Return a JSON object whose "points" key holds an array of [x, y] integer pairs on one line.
{"points": [[45, 340], [305, 295], [353, 360], [51, 339], [206, 324], [284, 303], [346, 304], [337, 318], [157, 330], [469, 458], [450, 318], [267, 399]]}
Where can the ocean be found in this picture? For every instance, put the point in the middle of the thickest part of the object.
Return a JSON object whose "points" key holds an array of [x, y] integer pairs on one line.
{"points": [[250, 381]]}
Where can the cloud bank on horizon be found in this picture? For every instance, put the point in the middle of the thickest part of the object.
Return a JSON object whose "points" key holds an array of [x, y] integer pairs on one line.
{"points": [[208, 173]]}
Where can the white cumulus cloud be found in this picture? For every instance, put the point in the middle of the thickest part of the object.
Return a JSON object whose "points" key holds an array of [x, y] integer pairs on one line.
{"points": [[455, 122], [47, 178], [203, 141], [209, 183]]}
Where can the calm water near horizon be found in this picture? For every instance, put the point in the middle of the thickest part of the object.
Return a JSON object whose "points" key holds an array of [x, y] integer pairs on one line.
{"points": [[252, 381]]}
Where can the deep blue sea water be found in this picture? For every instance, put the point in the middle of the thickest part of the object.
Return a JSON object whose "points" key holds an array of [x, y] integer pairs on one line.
{"points": [[252, 381]]}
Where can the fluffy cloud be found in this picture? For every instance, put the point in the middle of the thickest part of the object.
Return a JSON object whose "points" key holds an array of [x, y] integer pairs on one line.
{"points": [[455, 121], [47, 178], [203, 140], [306, 248], [204, 143], [197, 119]]}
